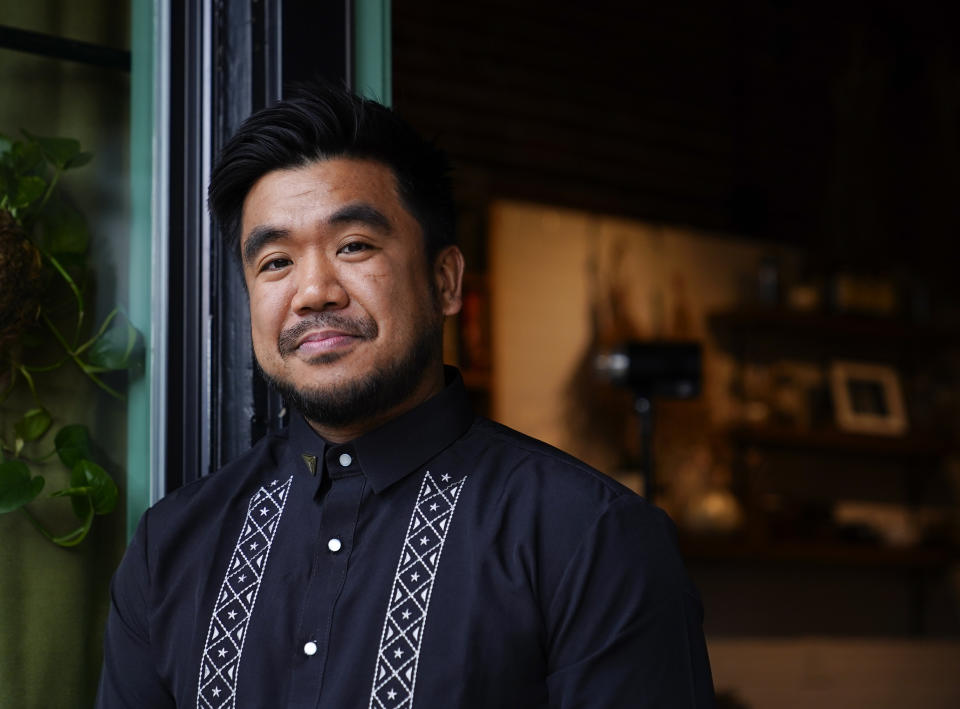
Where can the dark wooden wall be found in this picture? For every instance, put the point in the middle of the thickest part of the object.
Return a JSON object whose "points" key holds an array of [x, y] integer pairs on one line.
{"points": [[832, 125]]}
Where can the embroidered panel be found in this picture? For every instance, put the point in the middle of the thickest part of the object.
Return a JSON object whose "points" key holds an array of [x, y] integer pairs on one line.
{"points": [[396, 672], [238, 594]]}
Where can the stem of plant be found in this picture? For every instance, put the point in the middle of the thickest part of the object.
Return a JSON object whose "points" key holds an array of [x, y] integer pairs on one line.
{"points": [[33, 388], [76, 293], [100, 383], [36, 523], [48, 367], [99, 333], [70, 539], [80, 363], [53, 183]]}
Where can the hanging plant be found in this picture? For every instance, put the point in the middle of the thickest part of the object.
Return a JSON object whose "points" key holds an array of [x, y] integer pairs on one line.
{"points": [[44, 277]]}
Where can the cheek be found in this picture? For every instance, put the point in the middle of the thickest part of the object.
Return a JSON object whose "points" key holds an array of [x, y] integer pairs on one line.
{"points": [[372, 291], [267, 313]]}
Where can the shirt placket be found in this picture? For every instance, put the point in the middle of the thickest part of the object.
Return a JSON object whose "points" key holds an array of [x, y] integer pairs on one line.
{"points": [[333, 547]]}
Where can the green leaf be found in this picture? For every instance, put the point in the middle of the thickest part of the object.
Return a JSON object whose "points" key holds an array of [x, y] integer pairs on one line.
{"points": [[59, 151], [26, 157], [64, 230], [73, 444], [33, 424], [79, 160], [29, 190], [6, 144], [79, 499], [17, 488], [116, 348], [103, 491]]}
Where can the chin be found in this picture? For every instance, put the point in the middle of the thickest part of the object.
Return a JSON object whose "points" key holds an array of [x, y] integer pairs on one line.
{"points": [[326, 358], [335, 389]]}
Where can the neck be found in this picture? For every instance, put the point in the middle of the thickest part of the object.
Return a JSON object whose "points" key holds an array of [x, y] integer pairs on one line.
{"points": [[431, 385]]}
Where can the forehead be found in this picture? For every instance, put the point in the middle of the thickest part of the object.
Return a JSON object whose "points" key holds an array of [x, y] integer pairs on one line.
{"points": [[312, 190]]}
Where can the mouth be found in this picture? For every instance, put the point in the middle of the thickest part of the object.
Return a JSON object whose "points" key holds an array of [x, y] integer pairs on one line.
{"points": [[324, 342], [325, 336]]}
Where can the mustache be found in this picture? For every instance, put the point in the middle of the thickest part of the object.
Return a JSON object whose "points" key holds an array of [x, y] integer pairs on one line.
{"points": [[364, 328]]}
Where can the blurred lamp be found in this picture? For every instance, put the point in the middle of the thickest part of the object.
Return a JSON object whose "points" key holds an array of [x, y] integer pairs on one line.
{"points": [[667, 370]]}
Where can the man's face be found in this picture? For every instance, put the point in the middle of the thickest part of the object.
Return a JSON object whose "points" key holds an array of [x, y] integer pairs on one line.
{"points": [[346, 313]]}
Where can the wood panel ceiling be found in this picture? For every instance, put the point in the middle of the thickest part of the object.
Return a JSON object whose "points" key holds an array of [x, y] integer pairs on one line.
{"points": [[830, 124]]}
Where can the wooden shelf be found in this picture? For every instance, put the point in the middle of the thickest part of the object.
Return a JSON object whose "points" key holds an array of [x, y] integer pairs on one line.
{"points": [[912, 445], [817, 325], [816, 552]]}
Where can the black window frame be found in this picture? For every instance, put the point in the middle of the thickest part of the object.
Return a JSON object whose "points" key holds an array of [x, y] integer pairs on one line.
{"points": [[228, 58]]}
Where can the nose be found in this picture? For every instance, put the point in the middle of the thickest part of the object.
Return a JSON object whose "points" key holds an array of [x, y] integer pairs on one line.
{"points": [[318, 285]]}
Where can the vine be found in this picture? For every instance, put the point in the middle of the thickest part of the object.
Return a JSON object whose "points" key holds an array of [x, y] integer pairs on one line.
{"points": [[44, 328]]}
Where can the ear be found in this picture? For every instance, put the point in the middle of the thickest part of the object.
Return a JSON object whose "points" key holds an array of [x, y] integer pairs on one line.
{"points": [[448, 277]]}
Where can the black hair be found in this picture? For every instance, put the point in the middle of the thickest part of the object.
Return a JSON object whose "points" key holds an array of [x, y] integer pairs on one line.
{"points": [[322, 121]]}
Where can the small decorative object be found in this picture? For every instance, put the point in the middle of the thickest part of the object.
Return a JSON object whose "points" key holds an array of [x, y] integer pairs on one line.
{"points": [[895, 525], [755, 413], [756, 386], [715, 511], [867, 398], [803, 297], [792, 397], [867, 295], [697, 494]]}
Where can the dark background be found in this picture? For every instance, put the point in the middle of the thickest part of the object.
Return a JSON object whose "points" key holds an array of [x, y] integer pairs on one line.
{"points": [[833, 127], [829, 125]]}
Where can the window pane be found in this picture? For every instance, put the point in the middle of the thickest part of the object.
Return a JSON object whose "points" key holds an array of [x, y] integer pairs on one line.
{"points": [[55, 598]]}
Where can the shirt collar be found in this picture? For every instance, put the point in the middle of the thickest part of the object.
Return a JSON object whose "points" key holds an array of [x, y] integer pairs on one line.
{"points": [[391, 452]]}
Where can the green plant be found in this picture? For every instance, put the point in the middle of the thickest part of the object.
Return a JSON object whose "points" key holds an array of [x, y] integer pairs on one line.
{"points": [[44, 328]]}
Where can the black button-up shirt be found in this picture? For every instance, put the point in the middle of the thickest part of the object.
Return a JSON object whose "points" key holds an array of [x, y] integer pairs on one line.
{"points": [[439, 561]]}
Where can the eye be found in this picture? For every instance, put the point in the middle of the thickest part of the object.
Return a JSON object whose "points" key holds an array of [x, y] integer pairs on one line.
{"points": [[354, 247], [275, 264]]}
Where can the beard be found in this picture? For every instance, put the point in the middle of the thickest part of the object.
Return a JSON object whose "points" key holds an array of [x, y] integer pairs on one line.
{"points": [[371, 394]]}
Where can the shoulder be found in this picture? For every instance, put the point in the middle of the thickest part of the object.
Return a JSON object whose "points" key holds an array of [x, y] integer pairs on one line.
{"points": [[567, 521], [204, 503], [506, 453], [545, 495]]}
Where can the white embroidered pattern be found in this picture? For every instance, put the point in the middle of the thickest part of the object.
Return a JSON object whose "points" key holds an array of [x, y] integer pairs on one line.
{"points": [[238, 593], [396, 672]]}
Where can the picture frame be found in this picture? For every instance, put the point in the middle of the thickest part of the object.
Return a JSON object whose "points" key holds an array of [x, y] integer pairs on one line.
{"points": [[867, 398]]}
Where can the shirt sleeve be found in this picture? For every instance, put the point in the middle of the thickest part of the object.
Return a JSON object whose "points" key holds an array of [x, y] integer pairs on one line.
{"points": [[129, 679], [626, 623]]}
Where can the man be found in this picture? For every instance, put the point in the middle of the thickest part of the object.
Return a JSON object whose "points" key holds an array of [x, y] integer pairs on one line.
{"points": [[391, 549]]}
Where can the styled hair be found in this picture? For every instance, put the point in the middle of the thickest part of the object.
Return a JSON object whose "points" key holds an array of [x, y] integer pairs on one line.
{"points": [[323, 121]]}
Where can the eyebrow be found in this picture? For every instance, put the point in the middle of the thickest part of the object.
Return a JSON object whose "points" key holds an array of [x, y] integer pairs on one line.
{"points": [[259, 237], [360, 212]]}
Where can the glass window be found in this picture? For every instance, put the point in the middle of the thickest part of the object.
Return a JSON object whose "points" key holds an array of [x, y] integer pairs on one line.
{"points": [[65, 345]]}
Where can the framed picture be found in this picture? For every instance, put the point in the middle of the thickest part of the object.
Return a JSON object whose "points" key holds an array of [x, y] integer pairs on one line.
{"points": [[867, 398]]}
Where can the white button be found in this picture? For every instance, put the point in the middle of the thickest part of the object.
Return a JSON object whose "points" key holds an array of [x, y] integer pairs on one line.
{"points": [[334, 545], [310, 648], [345, 459]]}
